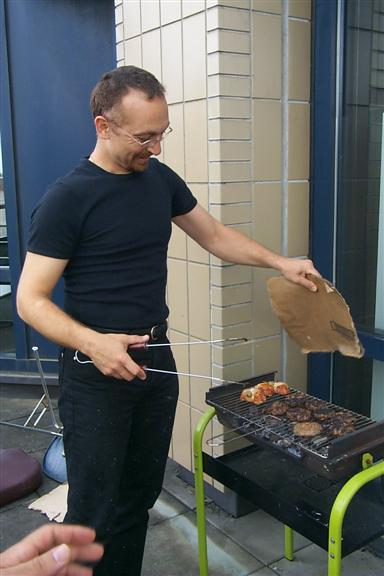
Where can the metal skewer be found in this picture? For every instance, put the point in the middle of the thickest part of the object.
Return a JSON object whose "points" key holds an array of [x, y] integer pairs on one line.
{"points": [[35, 351], [188, 374], [191, 343]]}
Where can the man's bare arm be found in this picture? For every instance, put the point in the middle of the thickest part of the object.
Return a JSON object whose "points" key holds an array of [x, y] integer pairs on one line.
{"points": [[232, 246], [39, 277]]}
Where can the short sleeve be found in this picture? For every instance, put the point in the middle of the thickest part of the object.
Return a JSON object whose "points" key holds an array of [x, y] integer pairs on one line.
{"points": [[54, 224], [183, 201]]}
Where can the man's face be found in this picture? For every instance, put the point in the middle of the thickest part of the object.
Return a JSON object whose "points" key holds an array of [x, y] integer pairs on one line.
{"points": [[136, 118]]}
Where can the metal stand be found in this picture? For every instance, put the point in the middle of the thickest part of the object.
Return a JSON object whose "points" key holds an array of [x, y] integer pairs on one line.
{"points": [[340, 505]]}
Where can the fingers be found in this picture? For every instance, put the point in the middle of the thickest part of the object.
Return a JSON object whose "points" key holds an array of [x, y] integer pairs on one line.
{"points": [[49, 564], [114, 360], [45, 538]]}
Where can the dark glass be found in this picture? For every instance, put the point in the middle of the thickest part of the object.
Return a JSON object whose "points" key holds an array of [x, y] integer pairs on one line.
{"points": [[358, 193]]}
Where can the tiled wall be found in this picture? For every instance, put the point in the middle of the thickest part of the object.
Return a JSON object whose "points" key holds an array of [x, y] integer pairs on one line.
{"points": [[237, 75]]}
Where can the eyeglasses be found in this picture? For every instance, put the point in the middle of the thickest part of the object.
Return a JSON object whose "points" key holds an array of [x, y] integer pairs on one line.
{"points": [[144, 143]]}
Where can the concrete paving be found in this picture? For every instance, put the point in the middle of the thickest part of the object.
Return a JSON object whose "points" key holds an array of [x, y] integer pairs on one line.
{"points": [[252, 545]]}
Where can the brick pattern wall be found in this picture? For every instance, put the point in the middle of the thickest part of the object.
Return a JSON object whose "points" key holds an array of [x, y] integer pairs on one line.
{"points": [[237, 74]]}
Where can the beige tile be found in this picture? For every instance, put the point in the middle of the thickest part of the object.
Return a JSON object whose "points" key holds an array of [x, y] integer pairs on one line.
{"points": [[133, 53], [230, 275], [235, 331], [267, 215], [201, 364], [267, 356], [298, 141], [119, 33], [229, 150], [181, 439], [119, 14], [299, 75], [229, 171], [152, 52], [172, 62], [181, 355], [234, 372], [266, 322], [231, 353], [190, 7], [229, 192], [298, 219], [266, 61], [228, 129], [178, 244], [300, 8], [178, 295], [267, 140], [196, 146], [296, 365], [227, 18], [229, 107], [230, 295], [199, 301], [224, 85], [194, 57], [120, 52], [232, 213], [273, 6], [170, 10], [173, 146], [229, 315], [230, 3], [132, 18], [228, 41], [224, 63], [150, 14]]}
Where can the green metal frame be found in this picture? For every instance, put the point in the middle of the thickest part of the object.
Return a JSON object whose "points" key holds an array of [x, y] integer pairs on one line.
{"points": [[370, 472]]}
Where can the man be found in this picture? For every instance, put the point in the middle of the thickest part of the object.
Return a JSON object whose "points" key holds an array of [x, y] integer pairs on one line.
{"points": [[105, 227]]}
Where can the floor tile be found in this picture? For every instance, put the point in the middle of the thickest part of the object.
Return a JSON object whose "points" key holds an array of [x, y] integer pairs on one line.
{"points": [[258, 532], [172, 550], [165, 508], [312, 561]]}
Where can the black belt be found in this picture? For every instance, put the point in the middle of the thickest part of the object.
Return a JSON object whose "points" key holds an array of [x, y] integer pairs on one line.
{"points": [[155, 332]]}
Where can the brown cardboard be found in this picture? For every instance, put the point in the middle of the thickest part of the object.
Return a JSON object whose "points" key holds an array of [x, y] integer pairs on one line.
{"points": [[318, 321]]}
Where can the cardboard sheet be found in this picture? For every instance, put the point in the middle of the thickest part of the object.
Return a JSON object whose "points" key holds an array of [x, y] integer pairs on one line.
{"points": [[53, 504], [318, 321]]}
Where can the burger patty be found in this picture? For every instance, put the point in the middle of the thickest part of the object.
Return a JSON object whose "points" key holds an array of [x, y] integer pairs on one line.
{"points": [[307, 429], [298, 414], [277, 408]]}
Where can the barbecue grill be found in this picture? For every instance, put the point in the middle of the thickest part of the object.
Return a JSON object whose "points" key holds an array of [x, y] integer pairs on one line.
{"points": [[306, 483]]}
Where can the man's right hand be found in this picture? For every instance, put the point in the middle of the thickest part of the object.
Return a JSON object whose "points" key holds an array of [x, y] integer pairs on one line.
{"points": [[109, 354]]}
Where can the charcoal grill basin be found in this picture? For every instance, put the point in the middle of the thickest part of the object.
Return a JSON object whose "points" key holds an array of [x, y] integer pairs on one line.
{"points": [[293, 494]]}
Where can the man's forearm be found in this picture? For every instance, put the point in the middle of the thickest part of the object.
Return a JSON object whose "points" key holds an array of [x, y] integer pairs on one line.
{"points": [[53, 323]]}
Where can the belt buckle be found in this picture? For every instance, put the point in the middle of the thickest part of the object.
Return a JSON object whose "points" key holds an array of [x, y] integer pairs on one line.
{"points": [[153, 332]]}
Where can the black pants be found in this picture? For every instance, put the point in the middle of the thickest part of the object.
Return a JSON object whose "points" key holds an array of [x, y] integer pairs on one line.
{"points": [[116, 439]]}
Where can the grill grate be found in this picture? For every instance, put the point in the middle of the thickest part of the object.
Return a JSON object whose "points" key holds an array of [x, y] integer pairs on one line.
{"points": [[251, 417]]}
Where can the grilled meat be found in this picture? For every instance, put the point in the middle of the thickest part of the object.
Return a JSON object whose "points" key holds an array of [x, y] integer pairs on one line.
{"points": [[259, 397], [296, 400], [323, 414], [298, 414], [277, 408], [281, 388], [266, 388], [307, 429]]}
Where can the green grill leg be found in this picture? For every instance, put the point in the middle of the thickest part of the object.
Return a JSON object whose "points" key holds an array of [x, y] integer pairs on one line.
{"points": [[288, 546], [199, 487], [338, 511]]}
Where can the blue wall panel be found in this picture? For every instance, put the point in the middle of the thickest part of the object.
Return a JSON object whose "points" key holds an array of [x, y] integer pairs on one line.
{"points": [[56, 51]]}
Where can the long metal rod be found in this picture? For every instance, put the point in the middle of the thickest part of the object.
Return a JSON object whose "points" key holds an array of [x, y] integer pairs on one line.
{"points": [[24, 427], [192, 375], [35, 351], [194, 343]]}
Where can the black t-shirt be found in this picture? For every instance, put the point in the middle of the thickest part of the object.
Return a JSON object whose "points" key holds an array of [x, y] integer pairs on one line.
{"points": [[114, 229]]}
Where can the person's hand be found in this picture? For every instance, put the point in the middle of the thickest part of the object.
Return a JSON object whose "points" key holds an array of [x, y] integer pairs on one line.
{"points": [[109, 354], [296, 270], [52, 550]]}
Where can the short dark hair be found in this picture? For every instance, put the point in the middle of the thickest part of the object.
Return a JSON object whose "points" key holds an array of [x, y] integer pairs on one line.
{"points": [[115, 84]]}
